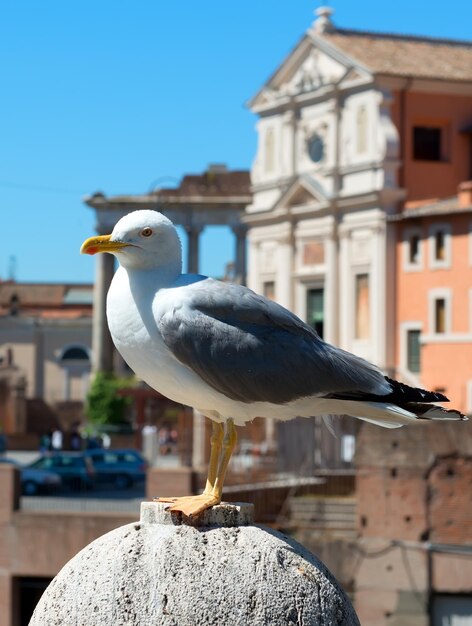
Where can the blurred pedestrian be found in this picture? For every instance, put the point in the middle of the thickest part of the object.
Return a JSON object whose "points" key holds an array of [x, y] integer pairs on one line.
{"points": [[56, 440], [45, 443], [75, 441]]}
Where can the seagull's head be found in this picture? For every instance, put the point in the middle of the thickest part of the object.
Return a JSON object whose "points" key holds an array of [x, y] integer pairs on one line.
{"points": [[140, 240]]}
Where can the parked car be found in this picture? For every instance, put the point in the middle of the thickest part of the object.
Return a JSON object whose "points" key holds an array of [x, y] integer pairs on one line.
{"points": [[35, 481], [122, 468], [75, 469]]}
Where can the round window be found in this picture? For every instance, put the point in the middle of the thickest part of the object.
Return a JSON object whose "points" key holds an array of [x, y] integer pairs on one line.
{"points": [[316, 148]]}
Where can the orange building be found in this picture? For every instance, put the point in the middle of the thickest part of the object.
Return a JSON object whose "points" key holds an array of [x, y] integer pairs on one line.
{"points": [[432, 112], [434, 295]]}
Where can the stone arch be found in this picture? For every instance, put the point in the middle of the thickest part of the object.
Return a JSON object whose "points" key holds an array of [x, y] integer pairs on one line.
{"points": [[75, 363], [74, 352]]}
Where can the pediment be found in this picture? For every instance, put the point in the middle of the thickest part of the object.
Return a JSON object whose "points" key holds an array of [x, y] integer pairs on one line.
{"points": [[302, 192], [315, 71], [301, 196], [312, 64], [354, 75], [306, 69]]}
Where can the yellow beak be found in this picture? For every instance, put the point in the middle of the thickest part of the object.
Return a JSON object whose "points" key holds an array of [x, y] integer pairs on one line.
{"points": [[102, 243]]}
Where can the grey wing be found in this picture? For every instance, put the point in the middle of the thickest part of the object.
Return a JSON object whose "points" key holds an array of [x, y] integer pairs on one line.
{"points": [[252, 349]]}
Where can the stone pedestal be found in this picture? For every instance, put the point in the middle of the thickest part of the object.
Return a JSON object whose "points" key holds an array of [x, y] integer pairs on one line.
{"points": [[218, 569]]}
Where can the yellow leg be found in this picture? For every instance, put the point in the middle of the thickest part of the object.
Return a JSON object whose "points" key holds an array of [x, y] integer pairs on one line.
{"points": [[229, 443], [221, 451], [216, 442]]}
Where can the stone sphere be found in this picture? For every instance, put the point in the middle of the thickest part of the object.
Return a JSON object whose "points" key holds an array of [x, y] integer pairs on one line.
{"points": [[220, 570]]}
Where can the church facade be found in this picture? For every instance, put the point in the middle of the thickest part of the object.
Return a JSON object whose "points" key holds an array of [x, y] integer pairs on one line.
{"points": [[324, 179]]}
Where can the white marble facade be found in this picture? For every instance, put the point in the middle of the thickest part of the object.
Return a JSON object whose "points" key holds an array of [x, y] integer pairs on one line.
{"points": [[324, 178]]}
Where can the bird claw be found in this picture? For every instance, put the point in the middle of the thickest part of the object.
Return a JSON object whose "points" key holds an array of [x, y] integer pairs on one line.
{"points": [[190, 505]]}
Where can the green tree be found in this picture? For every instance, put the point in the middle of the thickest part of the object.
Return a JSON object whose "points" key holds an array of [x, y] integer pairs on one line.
{"points": [[104, 405]]}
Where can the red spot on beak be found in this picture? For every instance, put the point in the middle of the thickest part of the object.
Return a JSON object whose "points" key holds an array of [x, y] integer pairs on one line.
{"points": [[92, 250]]}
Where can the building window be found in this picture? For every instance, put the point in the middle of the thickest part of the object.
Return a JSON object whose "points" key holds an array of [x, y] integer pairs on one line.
{"points": [[451, 610], [440, 311], [268, 289], [362, 322], [427, 143], [361, 124], [413, 351], [440, 244], [412, 249], [315, 309], [439, 315]]}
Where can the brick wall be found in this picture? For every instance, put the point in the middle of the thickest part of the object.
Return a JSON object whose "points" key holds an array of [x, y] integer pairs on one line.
{"points": [[413, 488], [38, 544]]}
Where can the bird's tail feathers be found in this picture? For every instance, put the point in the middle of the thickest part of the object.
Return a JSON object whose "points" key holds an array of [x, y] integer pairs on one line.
{"points": [[384, 414], [434, 412], [380, 422], [392, 416]]}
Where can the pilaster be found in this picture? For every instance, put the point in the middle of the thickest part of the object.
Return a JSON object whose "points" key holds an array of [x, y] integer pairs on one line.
{"points": [[240, 231], [193, 236]]}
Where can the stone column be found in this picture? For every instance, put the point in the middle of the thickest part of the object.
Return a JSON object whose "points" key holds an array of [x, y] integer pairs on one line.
{"points": [[380, 283], [102, 345], [199, 458], [193, 234], [10, 488], [331, 333], [344, 291], [18, 397], [67, 385], [284, 264], [39, 360], [240, 253]]}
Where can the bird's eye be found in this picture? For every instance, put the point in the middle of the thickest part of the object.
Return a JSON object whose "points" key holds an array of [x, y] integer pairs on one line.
{"points": [[146, 232]]}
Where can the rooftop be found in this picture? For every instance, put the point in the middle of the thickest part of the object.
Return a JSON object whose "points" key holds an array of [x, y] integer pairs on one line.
{"points": [[405, 55], [447, 206], [58, 300], [217, 185]]}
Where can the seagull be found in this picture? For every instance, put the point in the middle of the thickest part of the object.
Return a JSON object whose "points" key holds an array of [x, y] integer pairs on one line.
{"points": [[232, 354]]}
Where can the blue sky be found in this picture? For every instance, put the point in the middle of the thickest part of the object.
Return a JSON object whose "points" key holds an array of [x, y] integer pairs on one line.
{"points": [[115, 96]]}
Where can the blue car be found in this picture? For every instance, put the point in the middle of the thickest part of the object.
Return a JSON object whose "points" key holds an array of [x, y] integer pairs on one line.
{"points": [[35, 481], [75, 469], [121, 468]]}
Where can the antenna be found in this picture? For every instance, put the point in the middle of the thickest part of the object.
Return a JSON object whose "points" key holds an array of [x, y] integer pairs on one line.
{"points": [[12, 266]]}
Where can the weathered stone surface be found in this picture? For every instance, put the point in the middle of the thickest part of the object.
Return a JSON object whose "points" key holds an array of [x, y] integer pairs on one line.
{"points": [[163, 571], [223, 515]]}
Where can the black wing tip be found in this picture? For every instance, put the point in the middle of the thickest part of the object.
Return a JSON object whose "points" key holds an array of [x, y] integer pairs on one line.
{"points": [[434, 412], [420, 395]]}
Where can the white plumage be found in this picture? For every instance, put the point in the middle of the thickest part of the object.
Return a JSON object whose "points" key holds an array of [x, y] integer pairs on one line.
{"points": [[230, 353]]}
